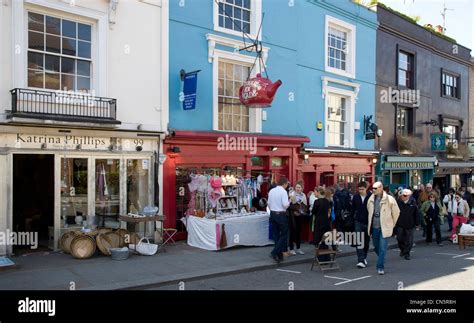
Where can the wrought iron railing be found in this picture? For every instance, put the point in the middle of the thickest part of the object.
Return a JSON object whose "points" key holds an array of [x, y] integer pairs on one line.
{"points": [[46, 104]]}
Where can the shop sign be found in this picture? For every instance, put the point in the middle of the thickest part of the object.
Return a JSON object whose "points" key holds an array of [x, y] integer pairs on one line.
{"points": [[258, 92], [453, 170], [470, 146], [73, 142], [438, 142], [408, 165], [189, 90]]}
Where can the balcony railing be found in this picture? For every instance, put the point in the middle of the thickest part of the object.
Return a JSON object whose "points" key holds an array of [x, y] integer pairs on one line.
{"points": [[63, 106]]}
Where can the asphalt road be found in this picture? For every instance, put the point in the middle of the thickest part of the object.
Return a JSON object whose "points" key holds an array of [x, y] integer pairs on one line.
{"points": [[431, 268]]}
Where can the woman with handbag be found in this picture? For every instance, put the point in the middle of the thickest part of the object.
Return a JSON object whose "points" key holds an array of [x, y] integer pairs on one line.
{"points": [[432, 210], [460, 213], [298, 209]]}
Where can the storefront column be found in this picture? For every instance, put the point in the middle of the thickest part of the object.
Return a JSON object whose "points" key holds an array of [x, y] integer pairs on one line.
{"points": [[4, 200]]}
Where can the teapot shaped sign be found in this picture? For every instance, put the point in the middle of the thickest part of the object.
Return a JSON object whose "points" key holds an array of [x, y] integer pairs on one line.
{"points": [[258, 92]]}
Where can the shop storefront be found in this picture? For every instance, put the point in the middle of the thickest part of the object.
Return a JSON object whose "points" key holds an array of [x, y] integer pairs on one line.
{"points": [[405, 171], [453, 174], [57, 180], [234, 172]]}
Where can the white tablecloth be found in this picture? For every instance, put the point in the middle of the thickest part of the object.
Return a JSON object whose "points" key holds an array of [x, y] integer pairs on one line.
{"points": [[249, 230]]}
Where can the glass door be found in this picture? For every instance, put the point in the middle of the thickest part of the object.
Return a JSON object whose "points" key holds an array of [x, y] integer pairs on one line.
{"points": [[107, 192], [74, 193]]}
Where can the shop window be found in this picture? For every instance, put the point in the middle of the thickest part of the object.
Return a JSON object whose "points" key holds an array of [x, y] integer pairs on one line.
{"points": [[137, 185], [398, 178], [278, 161], [232, 115], [406, 70], [107, 198], [59, 53], [257, 161], [74, 192], [404, 121]]}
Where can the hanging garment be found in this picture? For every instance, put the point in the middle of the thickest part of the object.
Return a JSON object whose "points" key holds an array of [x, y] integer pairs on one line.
{"points": [[223, 240]]}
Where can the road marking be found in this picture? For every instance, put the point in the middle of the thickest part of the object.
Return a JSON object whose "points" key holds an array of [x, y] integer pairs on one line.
{"points": [[351, 280], [289, 271], [337, 277], [447, 254], [466, 254]]}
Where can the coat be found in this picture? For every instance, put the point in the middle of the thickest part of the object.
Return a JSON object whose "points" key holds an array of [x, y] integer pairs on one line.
{"points": [[322, 221], [408, 218], [389, 213], [359, 209]]}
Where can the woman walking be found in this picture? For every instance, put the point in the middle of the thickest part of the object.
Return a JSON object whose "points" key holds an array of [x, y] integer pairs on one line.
{"points": [[460, 213], [432, 210], [298, 208]]}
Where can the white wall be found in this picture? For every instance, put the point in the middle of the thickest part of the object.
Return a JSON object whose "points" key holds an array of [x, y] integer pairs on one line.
{"points": [[131, 62]]}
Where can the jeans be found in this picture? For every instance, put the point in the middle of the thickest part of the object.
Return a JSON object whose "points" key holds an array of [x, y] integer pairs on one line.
{"points": [[405, 240], [429, 229], [450, 221], [380, 245], [295, 223], [362, 251], [280, 234]]}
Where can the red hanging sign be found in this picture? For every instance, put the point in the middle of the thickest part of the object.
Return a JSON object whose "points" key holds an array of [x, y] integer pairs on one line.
{"points": [[258, 92]]}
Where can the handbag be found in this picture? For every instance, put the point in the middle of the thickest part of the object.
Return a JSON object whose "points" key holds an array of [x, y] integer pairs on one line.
{"points": [[146, 249]]}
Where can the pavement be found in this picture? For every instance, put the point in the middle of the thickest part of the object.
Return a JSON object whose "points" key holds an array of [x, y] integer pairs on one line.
{"points": [[178, 263]]}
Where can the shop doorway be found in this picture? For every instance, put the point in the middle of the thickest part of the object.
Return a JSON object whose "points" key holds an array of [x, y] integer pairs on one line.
{"points": [[33, 200]]}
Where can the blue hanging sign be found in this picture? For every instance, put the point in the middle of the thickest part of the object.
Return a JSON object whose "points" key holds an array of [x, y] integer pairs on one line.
{"points": [[189, 90]]}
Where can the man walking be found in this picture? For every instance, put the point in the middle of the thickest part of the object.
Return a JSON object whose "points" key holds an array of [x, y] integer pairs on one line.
{"points": [[278, 202], [383, 215], [361, 219], [406, 223]]}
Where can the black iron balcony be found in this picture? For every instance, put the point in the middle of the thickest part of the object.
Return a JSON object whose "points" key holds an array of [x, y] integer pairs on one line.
{"points": [[63, 106]]}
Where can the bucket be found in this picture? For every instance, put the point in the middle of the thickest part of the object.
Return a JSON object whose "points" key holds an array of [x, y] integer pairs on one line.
{"points": [[119, 253]]}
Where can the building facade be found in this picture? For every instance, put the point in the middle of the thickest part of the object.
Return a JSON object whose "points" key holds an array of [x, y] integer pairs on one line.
{"points": [[422, 104], [313, 131], [83, 113]]}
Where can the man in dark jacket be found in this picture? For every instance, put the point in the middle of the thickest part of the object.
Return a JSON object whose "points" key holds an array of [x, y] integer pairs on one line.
{"points": [[406, 223], [360, 215]]}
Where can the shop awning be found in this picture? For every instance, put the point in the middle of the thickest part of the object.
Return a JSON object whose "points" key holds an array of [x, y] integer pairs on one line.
{"points": [[448, 168]]}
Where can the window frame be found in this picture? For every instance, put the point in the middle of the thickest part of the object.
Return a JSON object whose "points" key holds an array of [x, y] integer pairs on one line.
{"points": [[255, 20], [455, 76], [406, 51], [350, 116], [410, 123], [351, 30], [457, 129]]}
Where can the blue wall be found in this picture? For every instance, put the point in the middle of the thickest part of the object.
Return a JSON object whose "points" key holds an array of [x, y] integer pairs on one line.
{"points": [[296, 37]]}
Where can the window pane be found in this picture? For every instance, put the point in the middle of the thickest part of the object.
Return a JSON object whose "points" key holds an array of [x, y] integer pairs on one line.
{"points": [[137, 184], [68, 65], [35, 40], [236, 123], [84, 32], [69, 29], [83, 83], [67, 82], [402, 78], [246, 28], [35, 78], [52, 81], [246, 15], [35, 22], [238, 3], [107, 195], [74, 190], [84, 49], [83, 68], [247, 4], [69, 46], [228, 23], [51, 63], [237, 13], [53, 44], [53, 25], [35, 60]]}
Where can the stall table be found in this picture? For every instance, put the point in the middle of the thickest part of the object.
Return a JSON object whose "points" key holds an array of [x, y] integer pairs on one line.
{"points": [[244, 230]]}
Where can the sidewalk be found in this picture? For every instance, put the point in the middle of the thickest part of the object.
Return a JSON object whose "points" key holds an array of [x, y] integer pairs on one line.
{"points": [[180, 262]]}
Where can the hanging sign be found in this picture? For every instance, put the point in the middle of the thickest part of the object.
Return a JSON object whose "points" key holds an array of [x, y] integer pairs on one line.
{"points": [[258, 92], [438, 142], [189, 90]]}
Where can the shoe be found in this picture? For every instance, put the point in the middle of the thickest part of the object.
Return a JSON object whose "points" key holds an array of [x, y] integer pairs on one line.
{"points": [[414, 244], [440, 244], [299, 252], [292, 252], [407, 257], [380, 272], [401, 254], [365, 262], [280, 257], [361, 265], [276, 258]]}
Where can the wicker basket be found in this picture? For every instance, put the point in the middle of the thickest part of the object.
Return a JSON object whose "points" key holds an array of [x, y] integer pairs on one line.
{"points": [[66, 239], [83, 246], [119, 253], [123, 234], [146, 249], [105, 241]]}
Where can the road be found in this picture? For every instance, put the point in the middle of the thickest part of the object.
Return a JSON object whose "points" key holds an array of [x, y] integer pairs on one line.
{"points": [[431, 268]]}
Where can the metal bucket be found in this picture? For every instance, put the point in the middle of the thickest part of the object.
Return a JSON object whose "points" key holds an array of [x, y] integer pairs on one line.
{"points": [[119, 253]]}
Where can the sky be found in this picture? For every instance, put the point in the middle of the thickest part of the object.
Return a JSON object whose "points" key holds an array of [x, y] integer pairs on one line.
{"points": [[459, 20]]}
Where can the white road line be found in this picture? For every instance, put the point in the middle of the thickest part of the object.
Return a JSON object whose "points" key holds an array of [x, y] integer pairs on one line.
{"points": [[336, 277], [351, 280], [289, 271], [466, 254], [447, 254]]}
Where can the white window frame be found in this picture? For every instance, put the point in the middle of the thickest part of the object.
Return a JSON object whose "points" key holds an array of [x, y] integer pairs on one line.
{"points": [[98, 21], [214, 55], [351, 47], [255, 20], [350, 113]]}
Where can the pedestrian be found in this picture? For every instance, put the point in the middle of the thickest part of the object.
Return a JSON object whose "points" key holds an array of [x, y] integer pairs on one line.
{"points": [[322, 222], [460, 213], [278, 204], [383, 215], [407, 221], [342, 207], [451, 203], [422, 198], [312, 197], [432, 210], [297, 210], [360, 215]]}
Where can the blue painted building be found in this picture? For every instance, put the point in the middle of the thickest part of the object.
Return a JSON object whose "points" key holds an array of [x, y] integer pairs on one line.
{"points": [[324, 53]]}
